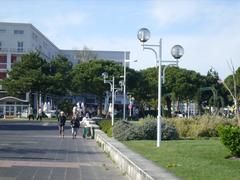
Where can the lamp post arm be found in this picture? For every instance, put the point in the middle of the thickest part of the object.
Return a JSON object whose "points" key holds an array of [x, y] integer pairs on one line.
{"points": [[153, 50], [164, 70], [117, 90], [108, 82]]}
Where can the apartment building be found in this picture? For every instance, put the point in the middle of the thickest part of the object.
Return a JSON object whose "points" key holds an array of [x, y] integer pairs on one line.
{"points": [[17, 39]]}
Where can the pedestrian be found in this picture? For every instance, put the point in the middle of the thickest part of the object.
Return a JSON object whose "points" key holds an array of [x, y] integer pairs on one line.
{"points": [[40, 113], [74, 111], [75, 124], [30, 113], [61, 124]]}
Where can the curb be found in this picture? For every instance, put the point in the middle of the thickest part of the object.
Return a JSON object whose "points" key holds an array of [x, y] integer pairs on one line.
{"points": [[130, 163]]}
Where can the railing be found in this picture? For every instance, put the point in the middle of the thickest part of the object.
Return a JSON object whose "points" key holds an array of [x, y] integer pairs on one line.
{"points": [[18, 50], [3, 49]]}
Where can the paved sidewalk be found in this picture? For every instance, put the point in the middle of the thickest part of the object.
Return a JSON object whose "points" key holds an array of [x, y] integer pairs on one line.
{"points": [[33, 151]]}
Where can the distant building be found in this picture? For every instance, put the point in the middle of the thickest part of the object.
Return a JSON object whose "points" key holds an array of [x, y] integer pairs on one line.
{"points": [[17, 39]]}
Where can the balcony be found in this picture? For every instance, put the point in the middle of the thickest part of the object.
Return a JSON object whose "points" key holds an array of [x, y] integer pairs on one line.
{"points": [[3, 50], [18, 50]]}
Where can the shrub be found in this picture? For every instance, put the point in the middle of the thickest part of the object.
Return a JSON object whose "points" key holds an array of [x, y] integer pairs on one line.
{"points": [[230, 137], [169, 132], [123, 131], [106, 126], [143, 130], [182, 126], [199, 126], [148, 129]]}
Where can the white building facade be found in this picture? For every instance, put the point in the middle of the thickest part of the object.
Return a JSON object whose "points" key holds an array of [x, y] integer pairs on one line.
{"points": [[17, 39]]}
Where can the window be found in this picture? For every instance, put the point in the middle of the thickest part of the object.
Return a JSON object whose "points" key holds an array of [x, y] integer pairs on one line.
{"points": [[3, 58], [20, 46], [34, 36], [45, 44], [3, 66], [13, 58], [3, 75], [3, 62], [2, 30], [18, 31]]}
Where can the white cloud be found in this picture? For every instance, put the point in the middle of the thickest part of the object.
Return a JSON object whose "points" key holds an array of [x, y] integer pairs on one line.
{"points": [[169, 12]]}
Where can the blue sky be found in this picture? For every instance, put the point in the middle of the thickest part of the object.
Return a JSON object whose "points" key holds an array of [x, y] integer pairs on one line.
{"points": [[207, 29]]}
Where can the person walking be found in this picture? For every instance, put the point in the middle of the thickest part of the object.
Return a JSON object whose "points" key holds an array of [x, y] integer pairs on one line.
{"points": [[75, 124], [61, 124], [39, 114], [30, 113]]}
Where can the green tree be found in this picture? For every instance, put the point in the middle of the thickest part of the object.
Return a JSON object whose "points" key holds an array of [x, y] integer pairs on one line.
{"points": [[137, 86], [181, 85], [27, 75], [230, 83], [59, 76], [212, 92], [149, 86], [87, 77]]}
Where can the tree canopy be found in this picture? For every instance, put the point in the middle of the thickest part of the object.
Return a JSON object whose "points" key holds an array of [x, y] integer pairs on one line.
{"points": [[27, 75], [34, 74], [58, 77], [87, 77]]}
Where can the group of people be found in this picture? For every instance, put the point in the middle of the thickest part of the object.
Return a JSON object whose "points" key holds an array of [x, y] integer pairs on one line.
{"points": [[78, 113], [31, 114]]}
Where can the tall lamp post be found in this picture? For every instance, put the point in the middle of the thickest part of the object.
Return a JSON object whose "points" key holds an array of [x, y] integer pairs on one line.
{"points": [[111, 82], [113, 90], [177, 51], [124, 83]]}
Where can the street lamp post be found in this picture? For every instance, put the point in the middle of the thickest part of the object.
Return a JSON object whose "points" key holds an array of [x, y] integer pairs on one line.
{"points": [[124, 83], [111, 82], [177, 52], [112, 88]]}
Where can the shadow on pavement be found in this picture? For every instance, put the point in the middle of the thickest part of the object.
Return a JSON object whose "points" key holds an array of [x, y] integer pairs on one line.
{"points": [[25, 151], [29, 127]]}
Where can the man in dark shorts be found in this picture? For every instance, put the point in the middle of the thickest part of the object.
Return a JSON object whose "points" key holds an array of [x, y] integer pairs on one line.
{"points": [[61, 124]]}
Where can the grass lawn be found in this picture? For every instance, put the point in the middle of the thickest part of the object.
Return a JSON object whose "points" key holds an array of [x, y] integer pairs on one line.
{"points": [[191, 159]]}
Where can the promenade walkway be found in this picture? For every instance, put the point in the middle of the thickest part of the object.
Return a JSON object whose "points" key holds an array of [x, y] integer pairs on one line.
{"points": [[33, 151]]}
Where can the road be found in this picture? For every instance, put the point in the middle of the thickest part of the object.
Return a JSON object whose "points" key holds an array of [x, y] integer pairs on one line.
{"points": [[34, 151]]}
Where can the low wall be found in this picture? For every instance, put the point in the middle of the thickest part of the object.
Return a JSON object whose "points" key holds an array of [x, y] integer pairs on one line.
{"points": [[132, 164]]}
